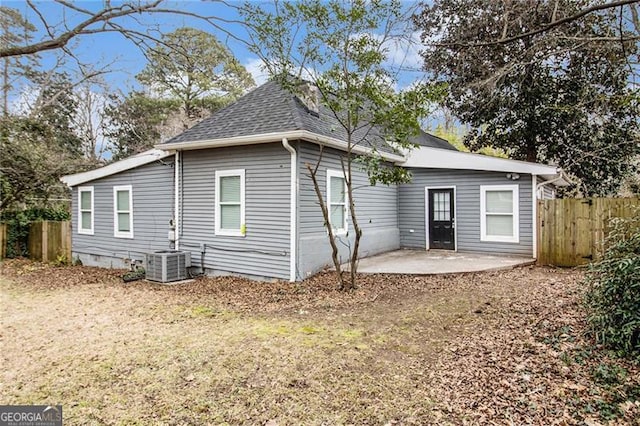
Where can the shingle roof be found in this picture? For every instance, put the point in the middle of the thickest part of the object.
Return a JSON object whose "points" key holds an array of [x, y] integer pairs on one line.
{"points": [[271, 109]]}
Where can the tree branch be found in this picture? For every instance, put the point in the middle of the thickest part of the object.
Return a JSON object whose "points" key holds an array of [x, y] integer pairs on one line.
{"points": [[106, 16], [553, 24]]}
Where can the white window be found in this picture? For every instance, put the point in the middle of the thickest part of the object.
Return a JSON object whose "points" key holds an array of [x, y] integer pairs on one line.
{"points": [[337, 201], [85, 210], [230, 202], [499, 216], [123, 211]]}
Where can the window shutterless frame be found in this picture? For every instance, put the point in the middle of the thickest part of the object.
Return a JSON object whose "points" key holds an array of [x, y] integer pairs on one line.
{"points": [[85, 210], [123, 211], [233, 203], [336, 203], [489, 209]]}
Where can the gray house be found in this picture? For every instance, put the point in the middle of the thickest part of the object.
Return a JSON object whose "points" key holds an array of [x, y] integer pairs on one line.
{"points": [[235, 191]]}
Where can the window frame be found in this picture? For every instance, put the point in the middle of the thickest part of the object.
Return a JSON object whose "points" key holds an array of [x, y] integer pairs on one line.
{"points": [[345, 225], [218, 219], [515, 213], [116, 232], [81, 230]]}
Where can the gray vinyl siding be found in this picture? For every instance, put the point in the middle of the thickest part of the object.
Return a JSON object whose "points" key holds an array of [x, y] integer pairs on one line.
{"points": [[376, 208], [264, 250], [153, 191], [467, 183]]}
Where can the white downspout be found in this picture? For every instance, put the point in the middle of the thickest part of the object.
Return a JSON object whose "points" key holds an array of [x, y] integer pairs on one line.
{"points": [[176, 210], [293, 252], [534, 219]]}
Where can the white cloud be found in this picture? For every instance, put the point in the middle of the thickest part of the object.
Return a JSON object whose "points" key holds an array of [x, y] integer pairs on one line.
{"points": [[258, 70], [405, 53]]}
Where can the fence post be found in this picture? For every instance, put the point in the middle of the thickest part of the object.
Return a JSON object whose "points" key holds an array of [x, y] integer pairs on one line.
{"points": [[3, 240], [45, 241], [66, 241]]}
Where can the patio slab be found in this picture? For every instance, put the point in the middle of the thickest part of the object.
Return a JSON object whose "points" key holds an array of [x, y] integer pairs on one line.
{"points": [[422, 262]]}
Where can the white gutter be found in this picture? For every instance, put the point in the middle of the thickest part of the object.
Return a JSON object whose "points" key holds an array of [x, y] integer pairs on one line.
{"points": [[176, 210], [276, 137], [561, 179], [293, 252]]}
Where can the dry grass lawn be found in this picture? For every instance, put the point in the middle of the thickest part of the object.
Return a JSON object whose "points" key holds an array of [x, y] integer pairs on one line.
{"points": [[504, 347]]}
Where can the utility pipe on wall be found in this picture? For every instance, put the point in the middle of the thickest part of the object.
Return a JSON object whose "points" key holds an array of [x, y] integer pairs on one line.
{"points": [[176, 209], [293, 252]]}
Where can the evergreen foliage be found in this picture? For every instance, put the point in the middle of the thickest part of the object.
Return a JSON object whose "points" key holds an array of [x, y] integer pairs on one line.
{"points": [[613, 295], [560, 96]]}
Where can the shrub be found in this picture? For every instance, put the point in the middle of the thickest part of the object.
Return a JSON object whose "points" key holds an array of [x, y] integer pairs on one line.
{"points": [[613, 289]]}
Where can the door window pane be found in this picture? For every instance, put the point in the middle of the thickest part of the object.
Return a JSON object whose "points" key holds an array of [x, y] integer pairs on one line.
{"points": [[441, 206]]}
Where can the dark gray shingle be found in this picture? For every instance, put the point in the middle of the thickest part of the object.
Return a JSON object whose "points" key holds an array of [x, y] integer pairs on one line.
{"points": [[269, 109]]}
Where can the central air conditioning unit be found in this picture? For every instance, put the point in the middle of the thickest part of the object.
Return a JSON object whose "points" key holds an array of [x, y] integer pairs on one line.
{"points": [[166, 266]]}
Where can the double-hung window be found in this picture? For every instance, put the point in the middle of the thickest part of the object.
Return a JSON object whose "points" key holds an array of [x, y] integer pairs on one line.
{"points": [[85, 210], [123, 211], [337, 201], [499, 216], [230, 202]]}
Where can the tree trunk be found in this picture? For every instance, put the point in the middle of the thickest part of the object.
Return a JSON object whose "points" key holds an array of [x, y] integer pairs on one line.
{"points": [[353, 260], [325, 214], [5, 87]]}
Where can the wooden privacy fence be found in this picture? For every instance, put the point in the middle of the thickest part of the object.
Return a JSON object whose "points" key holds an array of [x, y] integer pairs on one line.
{"points": [[50, 241], [571, 231]]}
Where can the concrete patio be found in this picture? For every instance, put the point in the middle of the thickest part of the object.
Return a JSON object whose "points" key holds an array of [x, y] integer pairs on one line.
{"points": [[422, 262]]}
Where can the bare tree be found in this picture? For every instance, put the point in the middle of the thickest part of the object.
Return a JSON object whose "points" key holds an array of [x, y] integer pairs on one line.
{"points": [[118, 18], [89, 120]]}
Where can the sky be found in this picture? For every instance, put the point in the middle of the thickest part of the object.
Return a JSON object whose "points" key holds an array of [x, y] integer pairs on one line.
{"points": [[126, 60], [122, 56]]}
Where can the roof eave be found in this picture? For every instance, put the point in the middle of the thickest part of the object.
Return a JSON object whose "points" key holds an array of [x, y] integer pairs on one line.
{"points": [[437, 158], [132, 162], [275, 137]]}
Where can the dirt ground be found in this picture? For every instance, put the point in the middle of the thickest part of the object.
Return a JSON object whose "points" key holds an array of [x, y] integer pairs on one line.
{"points": [[485, 348]]}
